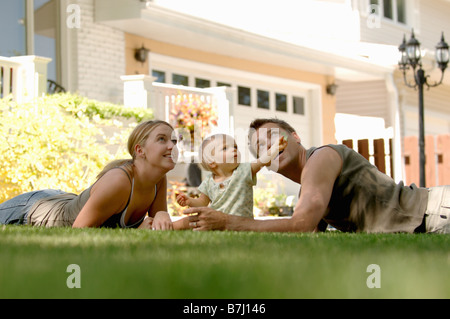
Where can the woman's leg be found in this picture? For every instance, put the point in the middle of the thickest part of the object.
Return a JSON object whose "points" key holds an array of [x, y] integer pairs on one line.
{"points": [[15, 210]]}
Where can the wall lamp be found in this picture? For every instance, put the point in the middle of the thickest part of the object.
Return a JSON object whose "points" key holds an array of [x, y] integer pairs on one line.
{"points": [[141, 54], [332, 89]]}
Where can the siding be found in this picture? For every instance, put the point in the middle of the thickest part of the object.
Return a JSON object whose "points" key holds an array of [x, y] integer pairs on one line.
{"points": [[422, 17], [367, 98]]}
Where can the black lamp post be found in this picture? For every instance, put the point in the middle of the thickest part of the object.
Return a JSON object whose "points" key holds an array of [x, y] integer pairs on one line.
{"points": [[411, 57]]}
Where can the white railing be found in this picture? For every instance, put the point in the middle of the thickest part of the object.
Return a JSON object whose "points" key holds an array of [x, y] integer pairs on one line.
{"points": [[141, 91], [23, 78]]}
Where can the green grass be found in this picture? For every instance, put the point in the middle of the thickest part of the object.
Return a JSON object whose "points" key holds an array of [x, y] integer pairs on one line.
{"points": [[153, 264]]}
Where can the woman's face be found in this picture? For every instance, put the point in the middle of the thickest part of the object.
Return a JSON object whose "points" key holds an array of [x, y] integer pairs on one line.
{"points": [[160, 147]]}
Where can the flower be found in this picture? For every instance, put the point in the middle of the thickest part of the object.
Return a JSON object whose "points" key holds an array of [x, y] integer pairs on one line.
{"points": [[192, 110]]}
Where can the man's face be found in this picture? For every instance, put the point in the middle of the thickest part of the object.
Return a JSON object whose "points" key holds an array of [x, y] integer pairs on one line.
{"points": [[264, 138]]}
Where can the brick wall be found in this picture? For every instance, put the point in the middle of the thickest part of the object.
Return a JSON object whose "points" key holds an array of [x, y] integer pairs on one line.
{"points": [[99, 57]]}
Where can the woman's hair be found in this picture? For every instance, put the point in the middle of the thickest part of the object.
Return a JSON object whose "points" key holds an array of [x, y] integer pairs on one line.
{"points": [[137, 137], [205, 143]]}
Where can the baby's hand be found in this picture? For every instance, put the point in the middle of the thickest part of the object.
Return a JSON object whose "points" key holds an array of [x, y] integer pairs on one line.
{"points": [[277, 147], [282, 143], [183, 200]]}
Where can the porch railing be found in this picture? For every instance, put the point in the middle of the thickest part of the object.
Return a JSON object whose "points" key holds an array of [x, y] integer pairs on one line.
{"points": [[141, 91], [23, 78]]}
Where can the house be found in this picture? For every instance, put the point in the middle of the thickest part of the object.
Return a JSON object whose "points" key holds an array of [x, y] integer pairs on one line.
{"points": [[324, 66]]}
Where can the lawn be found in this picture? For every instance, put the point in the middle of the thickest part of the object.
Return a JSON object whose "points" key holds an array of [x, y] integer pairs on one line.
{"points": [[185, 264]]}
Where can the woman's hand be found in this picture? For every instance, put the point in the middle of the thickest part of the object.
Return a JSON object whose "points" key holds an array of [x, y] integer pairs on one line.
{"points": [[162, 221], [146, 223]]}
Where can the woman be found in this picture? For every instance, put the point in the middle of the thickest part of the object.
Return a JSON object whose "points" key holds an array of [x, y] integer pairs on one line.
{"points": [[125, 191]]}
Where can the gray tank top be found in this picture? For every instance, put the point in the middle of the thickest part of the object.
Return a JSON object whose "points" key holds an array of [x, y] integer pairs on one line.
{"points": [[62, 210], [366, 200]]}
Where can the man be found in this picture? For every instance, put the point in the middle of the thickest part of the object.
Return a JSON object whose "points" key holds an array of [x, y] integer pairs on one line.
{"points": [[338, 187]]}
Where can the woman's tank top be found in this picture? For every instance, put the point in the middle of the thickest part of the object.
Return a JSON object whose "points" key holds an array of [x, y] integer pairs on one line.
{"points": [[62, 210]]}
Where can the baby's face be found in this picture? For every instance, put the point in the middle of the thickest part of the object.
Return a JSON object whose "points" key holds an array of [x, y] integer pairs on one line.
{"points": [[224, 151]]}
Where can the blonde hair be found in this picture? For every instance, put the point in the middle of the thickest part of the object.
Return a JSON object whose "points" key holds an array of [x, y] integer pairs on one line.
{"points": [[138, 136], [205, 143]]}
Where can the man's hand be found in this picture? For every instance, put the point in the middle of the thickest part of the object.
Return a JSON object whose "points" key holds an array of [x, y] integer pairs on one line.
{"points": [[205, 218]]}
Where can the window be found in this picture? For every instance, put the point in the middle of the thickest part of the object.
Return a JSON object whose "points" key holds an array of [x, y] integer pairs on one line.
{"points": [[401, 11], [179, 79], [387, 9], [12, 19], [281, 102], [223, 84], [244, 97], [159, 75], [45, 27], [299, 105], [202, 83], [394, 10], [263, 99]]}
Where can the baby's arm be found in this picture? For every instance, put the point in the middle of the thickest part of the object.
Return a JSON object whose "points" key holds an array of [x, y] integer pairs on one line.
{"points": [[272, 153], [185, 200]]}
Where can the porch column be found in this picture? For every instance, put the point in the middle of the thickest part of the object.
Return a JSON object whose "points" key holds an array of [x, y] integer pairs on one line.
{"points": [[394, 107], [32, 75], [137, 90], [224, 97]]}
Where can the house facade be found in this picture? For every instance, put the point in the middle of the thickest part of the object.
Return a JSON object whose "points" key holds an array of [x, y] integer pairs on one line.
{"points": [[280, 59]]}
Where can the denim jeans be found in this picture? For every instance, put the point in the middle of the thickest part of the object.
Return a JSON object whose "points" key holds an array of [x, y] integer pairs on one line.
{"points": [[15, 210]]}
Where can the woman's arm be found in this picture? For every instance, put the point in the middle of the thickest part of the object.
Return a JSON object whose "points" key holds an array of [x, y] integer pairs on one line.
{"points": [[108, 197], [158, 209]]}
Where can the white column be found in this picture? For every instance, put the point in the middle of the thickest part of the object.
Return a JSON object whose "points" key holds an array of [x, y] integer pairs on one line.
{"points": [[395, 122], [32, 76], [137, 89]]}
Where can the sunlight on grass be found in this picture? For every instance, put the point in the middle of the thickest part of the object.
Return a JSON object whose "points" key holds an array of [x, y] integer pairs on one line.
{"points": [[152, 264]]}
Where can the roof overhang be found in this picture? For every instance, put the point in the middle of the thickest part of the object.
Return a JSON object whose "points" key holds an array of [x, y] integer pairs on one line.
{"points": [[345, 61]]}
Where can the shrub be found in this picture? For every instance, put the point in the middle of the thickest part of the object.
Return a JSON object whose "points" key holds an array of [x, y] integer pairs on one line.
{"points": [[57, 142]]}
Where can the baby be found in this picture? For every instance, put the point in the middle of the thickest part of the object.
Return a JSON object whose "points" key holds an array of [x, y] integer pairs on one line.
{"points": [[229, 187]]}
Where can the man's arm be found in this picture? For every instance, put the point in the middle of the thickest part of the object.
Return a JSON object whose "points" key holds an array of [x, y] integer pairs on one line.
{"points": [[318, 177]]}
